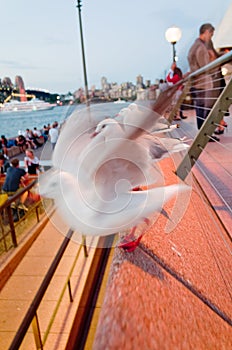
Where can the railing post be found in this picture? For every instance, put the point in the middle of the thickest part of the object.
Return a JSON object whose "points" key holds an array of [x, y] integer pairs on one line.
{"points": [[12, 228], [84, 246], [36, 332], [70, 291], [37, 212]]}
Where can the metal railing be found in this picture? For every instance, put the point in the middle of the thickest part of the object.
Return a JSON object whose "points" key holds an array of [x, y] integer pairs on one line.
{"points": [[88, 297], [8, 223], [31, 317], [211, 123], [216, 113]]}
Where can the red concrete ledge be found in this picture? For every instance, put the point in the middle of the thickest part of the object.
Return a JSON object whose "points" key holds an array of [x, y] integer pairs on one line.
{"points": [[174, 290]]}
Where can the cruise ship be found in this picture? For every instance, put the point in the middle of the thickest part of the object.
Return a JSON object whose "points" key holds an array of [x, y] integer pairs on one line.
{"points": [[19, 106]]}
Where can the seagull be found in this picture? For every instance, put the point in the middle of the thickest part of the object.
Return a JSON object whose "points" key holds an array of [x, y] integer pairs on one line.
{"points": [[137, 118], [99, 166], [87, 212], [144, 150]]}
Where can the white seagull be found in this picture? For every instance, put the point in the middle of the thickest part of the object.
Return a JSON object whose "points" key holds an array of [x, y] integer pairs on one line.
{"points": [[98, 168]]}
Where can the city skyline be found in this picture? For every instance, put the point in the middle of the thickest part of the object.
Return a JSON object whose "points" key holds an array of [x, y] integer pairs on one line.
{"points": [[109, 91], [122, 40], [138, 79]]}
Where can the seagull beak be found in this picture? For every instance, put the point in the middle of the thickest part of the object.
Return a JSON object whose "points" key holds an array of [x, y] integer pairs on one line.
{"points": [[94, 134]]}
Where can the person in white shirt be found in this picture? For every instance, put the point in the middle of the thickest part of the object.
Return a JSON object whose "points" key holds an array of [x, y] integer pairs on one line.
{"points": [[36, 132], [31, 162], [53, 134]]}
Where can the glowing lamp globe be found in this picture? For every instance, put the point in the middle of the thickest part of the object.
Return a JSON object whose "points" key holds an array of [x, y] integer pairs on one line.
{"points": [[173, 34]]}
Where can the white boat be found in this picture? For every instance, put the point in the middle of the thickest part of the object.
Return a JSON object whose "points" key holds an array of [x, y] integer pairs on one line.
{"points": [[33, 105]]}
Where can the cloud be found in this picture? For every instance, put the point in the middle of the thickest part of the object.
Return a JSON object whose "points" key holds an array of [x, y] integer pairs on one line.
{"points": [[17, 65], [175, 16]]}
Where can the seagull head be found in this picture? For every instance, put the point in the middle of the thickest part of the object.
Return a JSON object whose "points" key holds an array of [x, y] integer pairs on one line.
{"points": [[106, 127]]}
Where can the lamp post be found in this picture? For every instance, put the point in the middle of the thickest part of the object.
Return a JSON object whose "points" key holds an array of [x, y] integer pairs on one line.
{"points": [[173, 35], [83, 53]]}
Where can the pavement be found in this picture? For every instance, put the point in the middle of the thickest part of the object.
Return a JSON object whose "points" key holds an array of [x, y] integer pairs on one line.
{"points": [[173, 292]]}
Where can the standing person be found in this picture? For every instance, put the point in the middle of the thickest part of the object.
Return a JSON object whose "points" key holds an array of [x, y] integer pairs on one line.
{"points": [[31, 162], [14, 177], [163, 85], [218, 83], [198, 56], [3, 145], [45, 132], [53, 134], [174, 76]]}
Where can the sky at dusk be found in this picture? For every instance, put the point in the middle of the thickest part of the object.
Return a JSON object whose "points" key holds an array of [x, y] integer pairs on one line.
{"points": [[40, 40]]}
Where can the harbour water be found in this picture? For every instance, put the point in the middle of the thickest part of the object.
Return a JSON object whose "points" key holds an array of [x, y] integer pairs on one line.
{"points": [[12, 122]]}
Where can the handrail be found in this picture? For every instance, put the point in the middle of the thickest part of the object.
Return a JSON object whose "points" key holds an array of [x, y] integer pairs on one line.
{"points": [[226, 58], [67, 283], [39, 295], [18, 194], [213, 119], [164, 99], [202, 138], [7, 206]]}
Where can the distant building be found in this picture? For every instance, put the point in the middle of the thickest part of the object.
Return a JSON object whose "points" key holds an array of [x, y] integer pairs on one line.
{"points": [[139, 82], [104, 84]]}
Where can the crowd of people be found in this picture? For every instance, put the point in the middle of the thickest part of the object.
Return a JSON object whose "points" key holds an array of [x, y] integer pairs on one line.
{"points": [[35, 138], [28, 141], [31, 138], [207, 87]]}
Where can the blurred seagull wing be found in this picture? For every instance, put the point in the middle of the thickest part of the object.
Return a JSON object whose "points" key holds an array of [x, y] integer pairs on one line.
{"points": [[74, 137], [87, 213], [137, 119]]}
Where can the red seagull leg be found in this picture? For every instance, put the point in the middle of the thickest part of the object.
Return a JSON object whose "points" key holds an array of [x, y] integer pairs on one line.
{"points": [[130, 246]]}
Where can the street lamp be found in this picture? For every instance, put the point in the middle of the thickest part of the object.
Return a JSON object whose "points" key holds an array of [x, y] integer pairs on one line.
{"points": [[173, 35], [83, 53]]}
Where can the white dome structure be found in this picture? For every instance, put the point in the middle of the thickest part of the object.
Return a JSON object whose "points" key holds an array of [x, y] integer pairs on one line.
{"points": [[223, 34]]}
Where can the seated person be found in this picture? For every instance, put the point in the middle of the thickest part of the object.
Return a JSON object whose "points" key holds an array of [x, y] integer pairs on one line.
{"points": [[36, 132], [35, 137], [14, 177], [29, 137], [31, 162], [4, 164], [22, 143]]}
